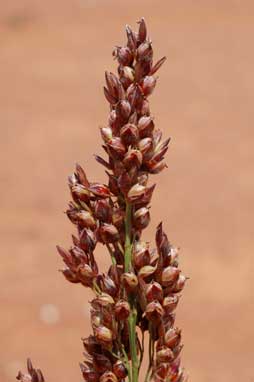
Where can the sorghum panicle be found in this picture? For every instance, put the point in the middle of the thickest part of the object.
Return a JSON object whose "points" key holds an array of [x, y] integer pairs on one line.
{"points": [[141, 288]]}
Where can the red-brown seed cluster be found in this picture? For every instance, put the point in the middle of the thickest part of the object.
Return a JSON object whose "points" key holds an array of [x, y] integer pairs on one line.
{"points": [[134, 149], [115, 215]]}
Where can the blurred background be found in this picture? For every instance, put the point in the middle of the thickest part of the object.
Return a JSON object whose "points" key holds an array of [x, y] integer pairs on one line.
{"points": [[52, 60]]}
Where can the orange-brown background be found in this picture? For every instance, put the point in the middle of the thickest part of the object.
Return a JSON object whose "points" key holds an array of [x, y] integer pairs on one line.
{"points": [[52, 60]]}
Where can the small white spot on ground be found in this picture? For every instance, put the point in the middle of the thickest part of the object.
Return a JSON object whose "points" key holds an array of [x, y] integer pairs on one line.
{"points": [[49, 314]]}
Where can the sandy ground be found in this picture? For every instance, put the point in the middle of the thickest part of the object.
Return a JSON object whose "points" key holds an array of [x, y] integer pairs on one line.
{"points": [[52, 60]]}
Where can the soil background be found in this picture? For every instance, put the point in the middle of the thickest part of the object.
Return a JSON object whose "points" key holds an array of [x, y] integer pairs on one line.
{"points": [[52, 60]]}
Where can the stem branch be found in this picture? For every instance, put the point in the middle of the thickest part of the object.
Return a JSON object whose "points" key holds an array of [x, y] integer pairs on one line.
{"points": [[151, 354], [128, 244], [133, 314]]}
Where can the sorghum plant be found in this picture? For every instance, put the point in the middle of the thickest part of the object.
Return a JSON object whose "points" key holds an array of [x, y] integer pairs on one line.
{"points": [[140, 291]]}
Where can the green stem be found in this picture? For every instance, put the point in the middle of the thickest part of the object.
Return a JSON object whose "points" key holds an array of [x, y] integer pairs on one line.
{"points": [[111, 254], [128, 245], [151, 354], [142, 349], [133, 344], [133, 314], [96, 288]]}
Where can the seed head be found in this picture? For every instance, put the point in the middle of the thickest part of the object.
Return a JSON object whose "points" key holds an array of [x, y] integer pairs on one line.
{"points": [[108, 233], [136, 193], [154, 311], [172, 338], [103, 334], [141, 218], [87, 240], [108, 376], [120, 370], [154, 292], [122, 310], [140, 288], [169, 276], [130, 281]]}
